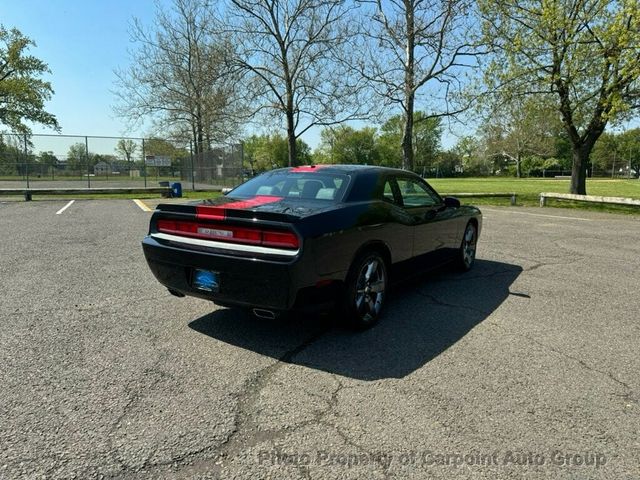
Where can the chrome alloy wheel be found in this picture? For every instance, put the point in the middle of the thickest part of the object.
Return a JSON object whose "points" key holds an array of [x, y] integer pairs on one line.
{"points": [[370, 289], [469, 245]]}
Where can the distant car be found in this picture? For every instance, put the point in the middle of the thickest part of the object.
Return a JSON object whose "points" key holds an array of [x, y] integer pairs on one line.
{"points": [[310, 238]]}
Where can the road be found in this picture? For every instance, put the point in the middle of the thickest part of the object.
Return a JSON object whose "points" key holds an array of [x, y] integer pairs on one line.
{"points": [[525, 367]]}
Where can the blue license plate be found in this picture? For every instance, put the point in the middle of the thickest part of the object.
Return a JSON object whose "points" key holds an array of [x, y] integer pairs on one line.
{"points": [[206, 280]]}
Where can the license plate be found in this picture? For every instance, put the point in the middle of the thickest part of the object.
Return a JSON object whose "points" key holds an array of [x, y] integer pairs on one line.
{"points": [[206, 280]]}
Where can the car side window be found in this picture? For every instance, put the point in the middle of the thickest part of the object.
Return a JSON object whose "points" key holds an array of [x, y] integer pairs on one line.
{"points": [[416, 194], [388, 194]]}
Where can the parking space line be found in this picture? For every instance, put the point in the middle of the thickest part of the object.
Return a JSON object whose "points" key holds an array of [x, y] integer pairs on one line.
{"points": [[539, 215], [65, 207], [143, 206]]}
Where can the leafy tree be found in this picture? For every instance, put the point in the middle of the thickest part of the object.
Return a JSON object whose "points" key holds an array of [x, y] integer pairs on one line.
{"points": [[448, 164], [582, 55], [126, 149], [521, 128], [418, 51], [293, 54], [77, 158], [48, 159], [630, 149], [11, 154], [265, 152], [23, 93], [425, 142], [618, 152], [345, 144], [474, 161]]}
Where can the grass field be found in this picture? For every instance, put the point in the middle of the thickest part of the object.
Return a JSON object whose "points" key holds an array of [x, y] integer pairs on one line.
{"points": [[526, 189], [529, 189]]}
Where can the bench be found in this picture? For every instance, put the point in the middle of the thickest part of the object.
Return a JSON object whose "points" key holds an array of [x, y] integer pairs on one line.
{"points": [[29, 192], [588, 198], [510, 195]]}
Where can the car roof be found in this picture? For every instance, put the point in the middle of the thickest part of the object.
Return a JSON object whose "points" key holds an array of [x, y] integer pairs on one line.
{"points": [[344, 169]]}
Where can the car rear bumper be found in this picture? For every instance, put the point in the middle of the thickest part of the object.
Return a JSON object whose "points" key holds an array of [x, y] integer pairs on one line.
{"points": [[244, 281]]}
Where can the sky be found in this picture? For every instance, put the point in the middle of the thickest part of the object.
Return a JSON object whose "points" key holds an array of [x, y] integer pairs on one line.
{"points": [[83, 42]]}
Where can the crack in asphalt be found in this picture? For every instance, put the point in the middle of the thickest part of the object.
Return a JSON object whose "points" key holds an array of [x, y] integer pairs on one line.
{"points": [[581, 362], [436, 301], [244, 433]]}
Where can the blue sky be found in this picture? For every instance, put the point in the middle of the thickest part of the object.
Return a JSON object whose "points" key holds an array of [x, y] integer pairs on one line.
{"points": [[82, 42]]}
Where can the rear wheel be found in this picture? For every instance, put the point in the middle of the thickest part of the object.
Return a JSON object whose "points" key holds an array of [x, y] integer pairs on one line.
{"points": [[366, 290], [467, 253]]}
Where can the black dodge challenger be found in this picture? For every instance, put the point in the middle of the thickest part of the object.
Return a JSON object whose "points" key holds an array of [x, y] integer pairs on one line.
{"points": [[310, 238]]}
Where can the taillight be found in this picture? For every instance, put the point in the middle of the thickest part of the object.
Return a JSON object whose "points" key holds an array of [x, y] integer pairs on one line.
{"points": [[280, 239], [230, 233]]}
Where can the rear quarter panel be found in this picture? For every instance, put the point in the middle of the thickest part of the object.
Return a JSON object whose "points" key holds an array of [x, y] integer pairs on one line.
{"points": [[334, 238]]}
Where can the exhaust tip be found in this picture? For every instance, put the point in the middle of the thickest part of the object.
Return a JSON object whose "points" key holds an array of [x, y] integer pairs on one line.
{"points": [[262, 313]]}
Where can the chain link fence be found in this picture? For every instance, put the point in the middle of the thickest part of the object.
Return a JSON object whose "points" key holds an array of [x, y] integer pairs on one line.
{"points": [[50, 161]]}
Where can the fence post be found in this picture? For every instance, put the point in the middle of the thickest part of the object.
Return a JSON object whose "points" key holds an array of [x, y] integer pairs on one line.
{"points": [[26, 159], [543, 200], [144, 165], [86, 156], [513, 199]]}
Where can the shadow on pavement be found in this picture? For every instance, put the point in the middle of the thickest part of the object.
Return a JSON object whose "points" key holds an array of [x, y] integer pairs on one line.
{"points": [[423, 318]]}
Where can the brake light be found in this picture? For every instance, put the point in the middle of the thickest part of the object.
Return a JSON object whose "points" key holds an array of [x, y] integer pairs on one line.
{"points": [[229, 233], [280, 239]]}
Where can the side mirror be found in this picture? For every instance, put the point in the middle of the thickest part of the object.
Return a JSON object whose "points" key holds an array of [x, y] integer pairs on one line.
{"points": [[451, 202]]}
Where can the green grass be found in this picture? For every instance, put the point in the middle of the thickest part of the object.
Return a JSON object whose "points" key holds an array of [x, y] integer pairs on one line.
{"points": [[529, 189]]}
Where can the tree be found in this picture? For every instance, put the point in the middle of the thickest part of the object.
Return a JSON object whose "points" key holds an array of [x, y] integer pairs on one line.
{"points": [[179, 75], [126, 148], [293, 54], [47, 161], [22, 90], [425, 140], [417, 47], [345, 144], [474, 161], [618, 152], [265, 152], [77, 158], [522, 127], [581, 54]]}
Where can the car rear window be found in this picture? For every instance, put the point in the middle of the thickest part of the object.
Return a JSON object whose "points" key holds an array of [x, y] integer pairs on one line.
{"points": [[321, 186]]}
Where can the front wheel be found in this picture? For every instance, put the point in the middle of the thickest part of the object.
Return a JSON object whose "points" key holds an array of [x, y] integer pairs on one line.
{"points": [[366, 290], [467, 253]]}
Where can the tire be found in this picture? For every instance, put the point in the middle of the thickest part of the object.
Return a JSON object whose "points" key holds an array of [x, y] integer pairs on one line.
{"points": [[467, 252], [366, 290]]}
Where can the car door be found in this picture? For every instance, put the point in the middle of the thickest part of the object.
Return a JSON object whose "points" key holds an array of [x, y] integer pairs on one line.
{"points": [[432, 221]]}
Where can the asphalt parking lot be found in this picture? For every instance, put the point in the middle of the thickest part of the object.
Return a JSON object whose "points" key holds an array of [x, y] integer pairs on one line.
{"points": [[526, 367]]}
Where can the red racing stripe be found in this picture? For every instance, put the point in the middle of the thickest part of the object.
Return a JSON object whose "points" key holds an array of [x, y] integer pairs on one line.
{"points": [[217, 212], [306, 168]]}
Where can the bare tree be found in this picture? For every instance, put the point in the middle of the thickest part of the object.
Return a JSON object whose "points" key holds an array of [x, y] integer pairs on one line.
{"points": [[293, 53], [418, 50], [180, 75]]}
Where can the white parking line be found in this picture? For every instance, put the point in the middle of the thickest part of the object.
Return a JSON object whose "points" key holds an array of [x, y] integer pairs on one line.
{"points": [[539, 215], [65, 207], [142, 205]]}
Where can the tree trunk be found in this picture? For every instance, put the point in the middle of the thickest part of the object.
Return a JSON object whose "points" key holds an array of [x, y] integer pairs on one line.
{"points": [[579, 170], [291, 140], [407, 140], [518, 166], [409, 87]]}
